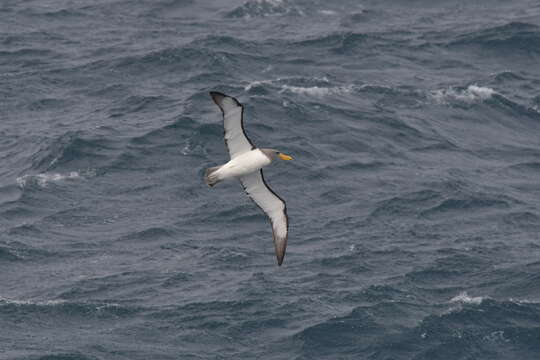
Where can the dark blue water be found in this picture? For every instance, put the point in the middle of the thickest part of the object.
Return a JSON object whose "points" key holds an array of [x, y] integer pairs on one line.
{"points": [[414, 197]]}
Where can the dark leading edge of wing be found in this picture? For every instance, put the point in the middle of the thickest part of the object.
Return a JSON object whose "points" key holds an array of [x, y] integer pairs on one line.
{"points": [[272, 205], [254, 184], [235, 135], [279, 244]]}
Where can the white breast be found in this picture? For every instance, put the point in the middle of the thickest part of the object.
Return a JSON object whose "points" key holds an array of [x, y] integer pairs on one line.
{"points": [[244, 164]]}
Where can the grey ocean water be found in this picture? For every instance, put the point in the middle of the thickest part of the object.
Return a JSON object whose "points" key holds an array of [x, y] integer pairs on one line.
{"points": [[414, 197]]}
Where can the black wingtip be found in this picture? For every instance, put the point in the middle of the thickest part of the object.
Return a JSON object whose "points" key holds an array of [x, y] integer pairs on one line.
{"points": [[217, 97], [280, 251]]}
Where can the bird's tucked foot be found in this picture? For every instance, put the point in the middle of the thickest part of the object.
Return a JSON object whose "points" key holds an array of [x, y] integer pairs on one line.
{"points": [[211, 177]]}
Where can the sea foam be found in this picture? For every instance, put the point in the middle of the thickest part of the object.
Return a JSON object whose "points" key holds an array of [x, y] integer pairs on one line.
{"points": [[321, 86], [473, 93], [464, 298], [316, 90], [7, 301], [44, 179]]}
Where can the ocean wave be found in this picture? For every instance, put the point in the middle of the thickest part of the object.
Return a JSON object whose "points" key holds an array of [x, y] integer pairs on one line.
{"points": [[42, 180], [171, 134], [135, 104], [149, 234], [524, 301], [477, 329], [59, 307], [350, 333], [504, 40], [356, 16], [356, 165], [471, 94], [184, 135], [47, 104], [27, 58], [464, 298], [60, 356], [311, 86], [340, 42], [522, 220], [179, 278], [414, 330], [380, 293], [405, 204], [61, 14], [471, 204], [89, 291], [26, 230], [201, 310], [73, 150], [523, 280], [508, 76], [532, 166], [7, 254], [317, 91], [328, 12], [180, 59], [299, 81], [445, 271], [259, 83], [32, 54], [225, 43], [18, 251], [263, 8], [6, 301]]}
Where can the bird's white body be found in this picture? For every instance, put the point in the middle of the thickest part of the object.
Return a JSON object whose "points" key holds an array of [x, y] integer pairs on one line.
{"points": [[243, 164], [246, 164]]}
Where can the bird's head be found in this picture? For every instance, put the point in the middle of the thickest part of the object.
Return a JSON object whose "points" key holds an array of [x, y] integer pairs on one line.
{"points": [[273, 153]]}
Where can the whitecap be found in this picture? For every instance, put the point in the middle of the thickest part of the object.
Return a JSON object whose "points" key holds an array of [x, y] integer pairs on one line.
{"points": [[496, 337], [98, 307], [464, 298], [327, 12], [188, 148], [258, 83], [523, 301], [44, 179], [472, 93], [316, 90], [286, 80], [30, 302], [263, 8], [481, 92]]}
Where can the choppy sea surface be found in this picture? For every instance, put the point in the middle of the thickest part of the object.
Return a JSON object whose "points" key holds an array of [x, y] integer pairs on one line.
{"points": [[414, 196]]}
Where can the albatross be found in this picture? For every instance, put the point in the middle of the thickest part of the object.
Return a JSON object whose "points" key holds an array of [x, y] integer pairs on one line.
{"points": [[246, 165]]}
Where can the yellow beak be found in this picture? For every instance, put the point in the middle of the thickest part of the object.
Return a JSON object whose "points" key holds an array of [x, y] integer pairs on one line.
{"points": [[285, 157]]}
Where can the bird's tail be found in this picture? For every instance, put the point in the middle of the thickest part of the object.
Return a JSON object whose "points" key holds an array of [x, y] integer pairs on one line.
{"points": [[211, 177]]}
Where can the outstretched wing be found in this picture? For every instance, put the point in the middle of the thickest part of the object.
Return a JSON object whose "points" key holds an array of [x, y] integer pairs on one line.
{"points": [[233, 121], [272, 205]]}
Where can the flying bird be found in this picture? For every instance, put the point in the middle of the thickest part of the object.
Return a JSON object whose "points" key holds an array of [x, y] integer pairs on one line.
{"points": [[246, 164]]}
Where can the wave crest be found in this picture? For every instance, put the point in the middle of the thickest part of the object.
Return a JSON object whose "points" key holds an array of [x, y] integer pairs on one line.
{"points": [[508, 39], [316, 90], [263, 8], [313, 86], [464, 298], [471, 94], [42, 180]]}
